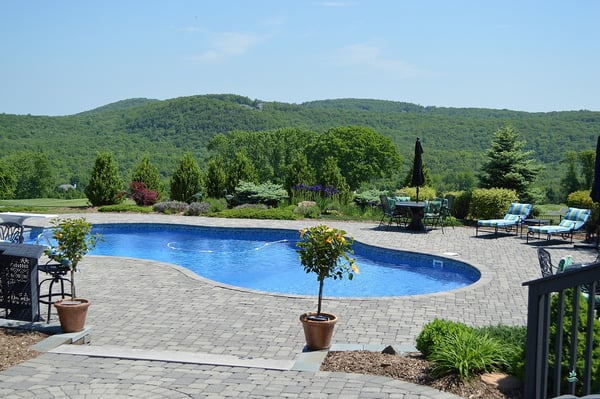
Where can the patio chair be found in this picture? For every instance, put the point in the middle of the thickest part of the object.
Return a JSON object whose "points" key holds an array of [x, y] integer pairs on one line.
{"points": [[11, 232], [434, 213], [391, 213], [574, 220], [546, 266], [514, 218], [548, 269]]}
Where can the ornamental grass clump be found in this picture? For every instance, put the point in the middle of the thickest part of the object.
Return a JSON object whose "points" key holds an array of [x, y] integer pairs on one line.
{"points": [[74, 240], [326, 251]]}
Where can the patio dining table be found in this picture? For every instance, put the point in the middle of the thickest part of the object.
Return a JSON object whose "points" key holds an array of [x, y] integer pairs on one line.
{"points": [[417, 212]]}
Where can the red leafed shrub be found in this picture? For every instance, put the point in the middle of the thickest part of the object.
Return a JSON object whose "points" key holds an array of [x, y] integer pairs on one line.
{"points": [[141, 195]]}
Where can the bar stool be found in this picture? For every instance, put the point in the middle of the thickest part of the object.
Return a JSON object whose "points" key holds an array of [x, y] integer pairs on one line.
{"points": [[57, 271]]}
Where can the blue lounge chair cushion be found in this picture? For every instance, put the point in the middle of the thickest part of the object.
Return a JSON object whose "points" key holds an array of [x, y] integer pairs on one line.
{"points": [[574, 220], [516, 213]]}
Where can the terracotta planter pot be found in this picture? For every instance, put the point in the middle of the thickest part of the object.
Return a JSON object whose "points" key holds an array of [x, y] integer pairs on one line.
{"points": [[72, 314], [318, 333]]}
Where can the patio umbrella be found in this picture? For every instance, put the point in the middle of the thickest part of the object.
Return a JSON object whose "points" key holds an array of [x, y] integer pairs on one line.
{"points": [[418, 179], [595, 194]]}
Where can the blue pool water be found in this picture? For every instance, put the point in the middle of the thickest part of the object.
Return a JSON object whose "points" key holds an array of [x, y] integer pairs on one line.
{"points": [[266, 260]]}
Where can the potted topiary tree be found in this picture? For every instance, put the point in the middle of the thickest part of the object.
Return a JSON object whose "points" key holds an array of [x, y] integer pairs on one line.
{"points": [[74, 240], [325, 251]]}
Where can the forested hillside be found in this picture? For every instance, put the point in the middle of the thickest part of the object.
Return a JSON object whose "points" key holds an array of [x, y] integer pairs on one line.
{"points": [[454, 139]]}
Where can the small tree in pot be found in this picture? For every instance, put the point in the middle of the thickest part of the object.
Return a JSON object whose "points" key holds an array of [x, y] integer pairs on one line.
{"points": [[325, 251], [74, 240]]}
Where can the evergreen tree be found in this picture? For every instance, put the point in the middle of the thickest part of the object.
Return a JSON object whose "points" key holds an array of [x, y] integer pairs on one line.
{"points": [[216, 178], [240, 169], [587, 160], [570, 182], [508, 165], [299, 172], [331, 176], [148, 174], [105, 186], [186, 182]]}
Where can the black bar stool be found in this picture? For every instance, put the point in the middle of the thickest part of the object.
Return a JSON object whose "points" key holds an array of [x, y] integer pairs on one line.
{"points": [[57, 271]]}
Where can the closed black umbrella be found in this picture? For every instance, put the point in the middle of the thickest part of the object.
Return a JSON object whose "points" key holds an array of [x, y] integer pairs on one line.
{"points": [[418, 179], [595, 194]]}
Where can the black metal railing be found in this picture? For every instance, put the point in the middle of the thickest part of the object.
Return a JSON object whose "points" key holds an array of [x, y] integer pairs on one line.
{"points": [[538, 369]]}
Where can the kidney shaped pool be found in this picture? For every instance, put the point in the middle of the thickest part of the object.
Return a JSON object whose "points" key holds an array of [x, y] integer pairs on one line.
{"points": [[266, 260]]}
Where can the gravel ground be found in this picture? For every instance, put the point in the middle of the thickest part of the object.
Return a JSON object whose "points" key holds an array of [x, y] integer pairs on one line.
{"points": [[413, 368], [15, 346]]}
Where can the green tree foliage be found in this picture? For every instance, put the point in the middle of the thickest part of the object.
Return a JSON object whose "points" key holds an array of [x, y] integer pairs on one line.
{"points": [[8, 179], [216, 178], [186, 181], [33, 174], [105, 186], [145, 172], [587, 159], [570, 182], [240, 169], [362, 154], [331, 176], [508, 166], [300, 172], [271, 151]]}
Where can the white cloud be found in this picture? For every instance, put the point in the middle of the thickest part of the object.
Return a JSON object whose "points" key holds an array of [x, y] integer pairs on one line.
{"points": [[371, 57], [230, 44]]}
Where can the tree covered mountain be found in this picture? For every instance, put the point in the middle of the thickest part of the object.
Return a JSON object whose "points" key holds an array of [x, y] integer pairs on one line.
{"points": [[454, 139]]}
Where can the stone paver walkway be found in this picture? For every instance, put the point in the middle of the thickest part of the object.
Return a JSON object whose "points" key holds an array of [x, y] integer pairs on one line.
{"points": [[152, 323]]}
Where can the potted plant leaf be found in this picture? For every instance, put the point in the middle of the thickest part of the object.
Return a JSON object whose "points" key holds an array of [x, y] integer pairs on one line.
{"points": [[325, 251], [73, 241]]}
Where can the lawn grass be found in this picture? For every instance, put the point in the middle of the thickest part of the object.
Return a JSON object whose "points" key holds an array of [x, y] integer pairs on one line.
{"points": [[46, 203]]}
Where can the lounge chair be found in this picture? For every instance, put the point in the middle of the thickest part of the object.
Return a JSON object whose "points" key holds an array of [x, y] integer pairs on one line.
{"points": [[514, 218], [573, 221]]}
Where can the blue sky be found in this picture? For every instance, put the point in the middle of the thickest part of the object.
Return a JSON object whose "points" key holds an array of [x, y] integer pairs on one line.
{"points": [[63, 57]]}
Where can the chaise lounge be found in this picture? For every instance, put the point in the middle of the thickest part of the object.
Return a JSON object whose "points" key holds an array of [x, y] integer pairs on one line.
{"points": [[573, 221], [514, 218]]}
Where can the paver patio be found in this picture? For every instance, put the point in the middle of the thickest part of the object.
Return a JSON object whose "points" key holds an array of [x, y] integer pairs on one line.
{"points": [[150, 308]]}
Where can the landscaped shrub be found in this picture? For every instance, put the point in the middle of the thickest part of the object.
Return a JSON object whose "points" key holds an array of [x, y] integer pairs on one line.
{"points": [[308, 209], [266, 193], [462, 202], [425, 193], [170, 207], [105, 186], [466, 353], [246, 212], [198, 208], [368, 198], [514, 338], [141, 195], [433, 332], [125, 208], [581, 199], [491, 203]]}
